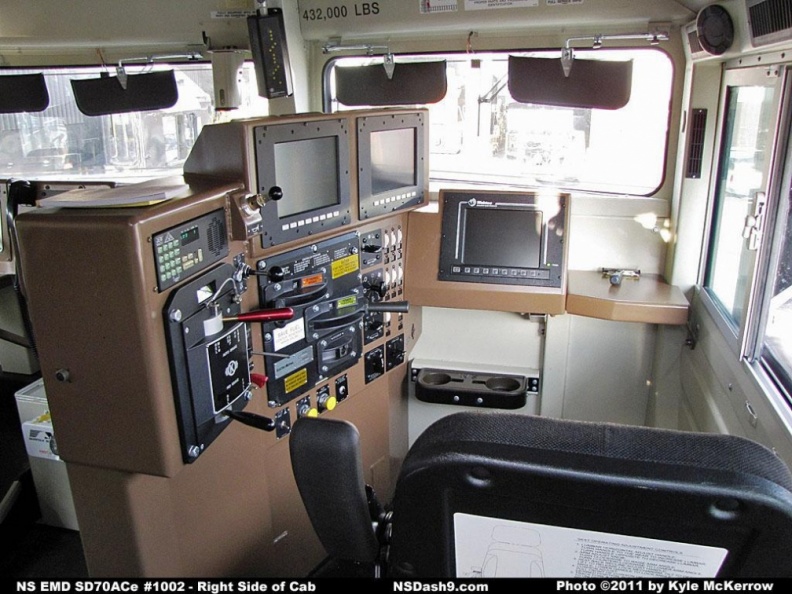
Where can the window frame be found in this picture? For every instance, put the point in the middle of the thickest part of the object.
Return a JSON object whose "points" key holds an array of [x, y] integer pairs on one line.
{"points": [[743, 336], [774, 377]]}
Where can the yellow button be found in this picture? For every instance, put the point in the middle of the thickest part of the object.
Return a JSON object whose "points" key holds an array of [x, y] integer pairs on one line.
{"points": [[313, 413], [330, 403]]}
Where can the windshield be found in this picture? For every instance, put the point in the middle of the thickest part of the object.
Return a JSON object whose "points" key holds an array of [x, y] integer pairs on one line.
{"points": [[479, 133], [63, 143]]}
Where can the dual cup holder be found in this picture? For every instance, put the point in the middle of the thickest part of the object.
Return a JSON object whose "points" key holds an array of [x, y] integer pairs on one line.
{"points": [[483, 390]]}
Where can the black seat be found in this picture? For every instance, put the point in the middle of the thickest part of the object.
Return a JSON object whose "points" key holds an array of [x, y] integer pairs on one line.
{"points": [[485, 495]]}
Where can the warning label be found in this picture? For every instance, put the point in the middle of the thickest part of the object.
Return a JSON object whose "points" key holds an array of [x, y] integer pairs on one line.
{"points": [[344, 266], [296, 380]]}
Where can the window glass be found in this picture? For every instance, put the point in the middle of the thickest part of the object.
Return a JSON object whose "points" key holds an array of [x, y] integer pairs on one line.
{"points": [[61, 142], [777, 348], [746, 146], [478, 133]]}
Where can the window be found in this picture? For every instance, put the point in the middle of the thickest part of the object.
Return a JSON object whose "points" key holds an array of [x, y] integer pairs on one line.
{"points": [[748, 135], [480, 134], [776, 353], [774, 306], [748, 273], [61, 142]]}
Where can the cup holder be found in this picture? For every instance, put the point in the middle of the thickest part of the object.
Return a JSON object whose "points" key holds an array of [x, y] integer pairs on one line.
{"points": [[503, 384], [464, 388], [436, 378]]}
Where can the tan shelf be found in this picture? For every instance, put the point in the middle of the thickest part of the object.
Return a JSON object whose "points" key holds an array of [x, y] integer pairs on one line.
{"points": [[423, 288], [649, 299]]}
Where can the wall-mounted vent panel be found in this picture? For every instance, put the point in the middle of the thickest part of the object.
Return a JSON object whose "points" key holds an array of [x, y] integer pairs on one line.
{"points": [[770, 21], [698, 125]]}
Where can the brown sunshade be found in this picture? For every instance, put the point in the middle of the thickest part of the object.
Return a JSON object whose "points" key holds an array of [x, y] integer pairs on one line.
{"points": [[105, 95], [597, 84], [23, 92], [413, 83]]}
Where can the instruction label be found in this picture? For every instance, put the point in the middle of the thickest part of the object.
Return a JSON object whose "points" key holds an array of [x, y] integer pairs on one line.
{"points": [[563, 2], [344, 266], [299, 359], [292, 332], [490, 4], [494, 547], [434, 6], [232, 14], [297, 380]]}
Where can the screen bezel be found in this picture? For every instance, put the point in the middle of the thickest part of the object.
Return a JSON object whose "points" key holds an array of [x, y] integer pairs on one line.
{"points": [[457, 203], [281, 229], [374, 204]]}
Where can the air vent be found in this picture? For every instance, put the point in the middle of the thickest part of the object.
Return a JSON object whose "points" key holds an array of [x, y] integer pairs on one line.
{"points": [[693, 41], [770, 21], [216, 241], [698, 124]]}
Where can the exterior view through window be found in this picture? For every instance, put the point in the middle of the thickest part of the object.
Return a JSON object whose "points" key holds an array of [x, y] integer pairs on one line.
{"points": [[62, 142], [777, 351], [479, 133], [748, 276]]}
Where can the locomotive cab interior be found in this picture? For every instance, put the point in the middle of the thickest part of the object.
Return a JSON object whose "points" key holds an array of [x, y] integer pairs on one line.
{"points": [[227, 223]]}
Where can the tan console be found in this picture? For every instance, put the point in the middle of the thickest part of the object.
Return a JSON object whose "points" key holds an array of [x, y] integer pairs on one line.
{"points": [[163, 329]]}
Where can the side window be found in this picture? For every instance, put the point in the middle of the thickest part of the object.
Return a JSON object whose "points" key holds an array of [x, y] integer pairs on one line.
{"points": [[776, 347], [748, 276], [750, 111]]}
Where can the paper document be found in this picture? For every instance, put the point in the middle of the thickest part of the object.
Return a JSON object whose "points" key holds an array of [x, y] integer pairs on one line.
{"points": [[102, 197]]}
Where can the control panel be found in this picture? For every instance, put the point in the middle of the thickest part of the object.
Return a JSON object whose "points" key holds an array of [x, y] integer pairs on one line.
{"points": [[322, 284], [383, 282], [209, 359], [186, 249]]}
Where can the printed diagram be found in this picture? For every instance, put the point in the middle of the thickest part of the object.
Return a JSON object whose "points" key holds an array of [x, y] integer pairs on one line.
{"points": [[487, 547], [512, 551]]}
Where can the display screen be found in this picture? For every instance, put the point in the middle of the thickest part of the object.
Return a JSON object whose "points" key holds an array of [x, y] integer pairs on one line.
{"points": [[307, 172], [392, 160], [502, 237]]}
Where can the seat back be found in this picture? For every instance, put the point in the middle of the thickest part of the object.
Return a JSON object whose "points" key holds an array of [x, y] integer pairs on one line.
{"points": [[484, 495], [328, 469]]}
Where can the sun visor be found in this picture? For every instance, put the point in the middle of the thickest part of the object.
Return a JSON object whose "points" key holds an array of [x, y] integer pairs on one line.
{"points": [[412, 83], [597, 84], [105, 95], [23, 92]]}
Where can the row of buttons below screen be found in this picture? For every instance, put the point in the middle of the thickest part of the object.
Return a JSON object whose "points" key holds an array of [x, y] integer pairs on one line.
{"points": [[309, 220], [514, 272], [398, 198]]}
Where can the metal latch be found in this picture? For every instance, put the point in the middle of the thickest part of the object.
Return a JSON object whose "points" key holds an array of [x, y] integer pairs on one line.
{"points": [[752, 231]]}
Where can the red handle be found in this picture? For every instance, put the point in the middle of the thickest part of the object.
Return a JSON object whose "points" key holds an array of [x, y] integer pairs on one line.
{"points": [[264, 315], [259, 379]]}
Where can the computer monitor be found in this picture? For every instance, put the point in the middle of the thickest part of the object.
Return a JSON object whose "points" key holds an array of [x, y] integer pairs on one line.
{"points": [[506, 238], [392, 162], [302, 171]]}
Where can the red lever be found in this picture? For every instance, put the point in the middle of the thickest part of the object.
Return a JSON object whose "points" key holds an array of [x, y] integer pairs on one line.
{"points": [[263, 315], [259, 379]]}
